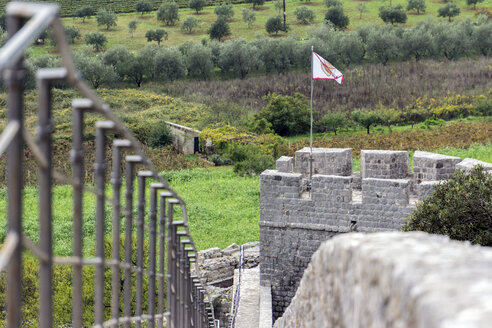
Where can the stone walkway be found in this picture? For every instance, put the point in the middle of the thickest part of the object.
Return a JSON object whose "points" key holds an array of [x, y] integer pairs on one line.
{"points": [[248, 315]]}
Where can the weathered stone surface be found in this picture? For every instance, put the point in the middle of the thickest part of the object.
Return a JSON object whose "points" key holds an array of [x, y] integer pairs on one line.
{"points": [[285, 164], [328, 161], [468, 163], [430, 166], [394, 279], [294, 222], [216, 266], [384, 164]]}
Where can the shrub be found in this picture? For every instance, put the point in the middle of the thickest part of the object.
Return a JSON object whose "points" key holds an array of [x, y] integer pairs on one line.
{"points": [[168, 13], [169, 65], [287, 115], [274, 25], [304, 15], [383, 45], [84, 12], [449, 10], [105, 17], [197, 5], [460, 208], [157, 35], [143, 6], [219, 160], [189, 24], [393, 14], [482, 39], [250, 160], [225, 11], [96, 39], [337, 17], [219, 29], [249, 16], [132, 26], [418, 5], [159, 135], [361, 8]]}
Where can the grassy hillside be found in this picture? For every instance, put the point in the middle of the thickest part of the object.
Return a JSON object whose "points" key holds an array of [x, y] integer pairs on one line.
{"points": [[120, 35]]}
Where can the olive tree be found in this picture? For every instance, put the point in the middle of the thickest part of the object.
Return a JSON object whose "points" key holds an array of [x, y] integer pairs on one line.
{"points": [[304, 14], [85, 12], [393, 15], [239, 58], [107, 18], [219, 29], [168, 13], [132, 26], [169, 65], [197, 5], [337, 17], [189, 24], [449, 10], [156, 35], [249, 16], [274, 25], [96, 39], [143, 6], [418, 5], [224, 10]]}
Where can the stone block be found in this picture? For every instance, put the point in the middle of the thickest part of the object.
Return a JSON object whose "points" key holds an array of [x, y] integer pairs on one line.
{"points": [[384, 164], [386, 191], [285, 164], [328, 161], [430, 166], [468, 163]]}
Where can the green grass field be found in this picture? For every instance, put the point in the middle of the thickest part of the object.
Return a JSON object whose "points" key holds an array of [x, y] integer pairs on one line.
{"points": [[120, 35]]}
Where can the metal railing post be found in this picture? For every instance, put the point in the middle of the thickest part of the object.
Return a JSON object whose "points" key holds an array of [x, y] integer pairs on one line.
{"points": [[142, 175], [100, 175], [77, 158], [131, 161], [118, 145], [45, 79], [162, 239], [13, 77], [154, 187]]}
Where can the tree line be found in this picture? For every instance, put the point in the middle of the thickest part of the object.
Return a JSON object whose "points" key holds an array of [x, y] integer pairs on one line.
{"points": [[238, 58]]}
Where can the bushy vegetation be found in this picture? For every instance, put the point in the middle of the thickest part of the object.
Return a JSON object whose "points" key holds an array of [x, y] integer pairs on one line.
{"points": [[460, 208]]}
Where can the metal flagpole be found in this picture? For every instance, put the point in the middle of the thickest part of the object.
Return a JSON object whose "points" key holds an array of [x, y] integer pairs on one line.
{"points": [[311, 129]]}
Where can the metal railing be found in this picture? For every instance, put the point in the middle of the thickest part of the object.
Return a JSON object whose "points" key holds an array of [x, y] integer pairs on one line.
{"points": [[187, 304]]}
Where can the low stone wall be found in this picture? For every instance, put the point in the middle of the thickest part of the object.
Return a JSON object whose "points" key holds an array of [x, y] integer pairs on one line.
{"points": [[394, 279]]}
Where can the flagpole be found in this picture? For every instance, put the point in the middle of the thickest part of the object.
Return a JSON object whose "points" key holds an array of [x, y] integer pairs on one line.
{"points": [[311, 128]]}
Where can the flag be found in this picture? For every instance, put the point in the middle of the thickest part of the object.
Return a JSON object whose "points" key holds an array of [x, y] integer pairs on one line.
{"points": [[324, 70]]}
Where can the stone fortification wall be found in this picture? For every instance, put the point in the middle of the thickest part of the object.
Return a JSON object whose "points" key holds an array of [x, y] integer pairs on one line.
{"points": [[295, 220], [394, 279]]}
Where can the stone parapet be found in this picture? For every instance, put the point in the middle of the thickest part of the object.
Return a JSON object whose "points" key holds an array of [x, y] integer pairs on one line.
{"points": [[430, 166], [384, 164], [328, 161], [394, 279]]}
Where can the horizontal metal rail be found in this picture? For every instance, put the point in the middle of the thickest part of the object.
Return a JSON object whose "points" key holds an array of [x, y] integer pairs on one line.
{"points": [[188, 304]]}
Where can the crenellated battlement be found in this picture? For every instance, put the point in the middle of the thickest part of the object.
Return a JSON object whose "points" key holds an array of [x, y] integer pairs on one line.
{"points": [[295, 220]]}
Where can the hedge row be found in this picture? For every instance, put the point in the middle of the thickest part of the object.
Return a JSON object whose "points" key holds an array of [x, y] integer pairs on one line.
{"points": [[69, 7]]}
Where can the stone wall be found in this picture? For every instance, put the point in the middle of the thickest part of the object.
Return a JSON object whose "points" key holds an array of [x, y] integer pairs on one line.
{"points": [[394, 279], [185, 138], [296, 218]]}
